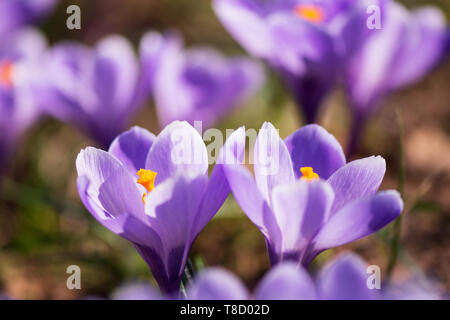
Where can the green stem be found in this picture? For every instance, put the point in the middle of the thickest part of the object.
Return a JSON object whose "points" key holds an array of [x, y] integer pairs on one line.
{"points": [[188, 276]]}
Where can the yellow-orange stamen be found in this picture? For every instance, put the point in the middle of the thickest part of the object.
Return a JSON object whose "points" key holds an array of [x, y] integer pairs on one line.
{"points": [[147, 180], [309, 12], [6, 74], [309, 174]]}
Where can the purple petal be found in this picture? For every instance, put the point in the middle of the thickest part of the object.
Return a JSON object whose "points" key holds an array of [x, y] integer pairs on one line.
{"points": [[286, 281], [344, 279], [150, 51], [273, 165], [422, 47], [217, 284], [172, 208], [244, 20], [252, 202], [109, 184], [300, 210], [293, 55], [112, 197], [136, 291], [179, 147], [132, 147], [312, 146], [359, 219], [117, 73], [357, 179]]}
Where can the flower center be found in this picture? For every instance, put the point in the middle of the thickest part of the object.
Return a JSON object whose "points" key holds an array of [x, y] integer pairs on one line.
{"points": [[6, 74], [147, 180], [308, 174], [309, 12]]}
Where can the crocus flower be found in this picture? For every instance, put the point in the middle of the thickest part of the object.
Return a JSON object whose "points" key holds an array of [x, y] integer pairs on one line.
{"points": [[344, 278], [155, 192], [407, 47], [94, 89], [306, 41], [19, 55], [195, 84], [17, 13], [305, 198]]}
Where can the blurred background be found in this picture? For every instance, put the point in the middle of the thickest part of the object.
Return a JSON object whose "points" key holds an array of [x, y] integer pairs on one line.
{"points": [[45, 228]]}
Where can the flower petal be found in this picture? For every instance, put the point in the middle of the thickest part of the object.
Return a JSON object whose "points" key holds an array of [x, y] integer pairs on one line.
{"points": [[357, 179], [426, 30], [244, 20], [312, 146], [116, 73], [179, 147], [359, 219], [252, 202], [217, 284], [273, 165], [300, 210], [132, 147], [136, 291], [344, 279], [286, 281], [171, 209]]}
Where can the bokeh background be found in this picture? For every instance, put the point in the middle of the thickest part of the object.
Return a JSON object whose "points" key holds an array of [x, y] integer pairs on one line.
{"points": [[44, 227]]}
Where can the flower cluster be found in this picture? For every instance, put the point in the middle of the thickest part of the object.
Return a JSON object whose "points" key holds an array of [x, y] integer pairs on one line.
{"points": [[155, 192], [159, 192]]}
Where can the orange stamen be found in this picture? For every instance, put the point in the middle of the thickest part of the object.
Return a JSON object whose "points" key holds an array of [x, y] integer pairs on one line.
{"points": [[308, 174], [311, 13], [147, 180], [6, 74]]}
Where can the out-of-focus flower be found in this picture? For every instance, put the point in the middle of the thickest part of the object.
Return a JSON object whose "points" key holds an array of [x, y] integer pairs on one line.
{"points": [[155, 192], [17, 13], [407, 47], [95, 89], [305, 198], [136, 291], [197, 83], [306, 41], [20, 53], [344, 278], [417, 287]]}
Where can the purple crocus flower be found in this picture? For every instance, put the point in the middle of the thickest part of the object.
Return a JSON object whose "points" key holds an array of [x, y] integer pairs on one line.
{"points": [[344, 278], [306, 41], [155, 192], [17, 13], [19, 56], [195, 84], [305, 198], [95, 89], [407, 47]]}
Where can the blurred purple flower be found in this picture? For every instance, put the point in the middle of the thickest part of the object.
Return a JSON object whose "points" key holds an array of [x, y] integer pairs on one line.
{"points": [[342, 279], [306, 41], [95, 89], [195, 84], [20, 53], [136, 291], [304, 198], [407, 47], [418, 287], [17, 13], [161, 208]]}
